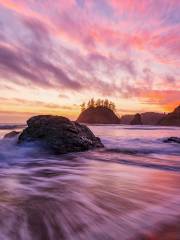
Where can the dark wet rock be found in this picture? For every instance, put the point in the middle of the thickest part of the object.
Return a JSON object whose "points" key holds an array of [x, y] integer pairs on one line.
{"points": [[136, 120], [98, 115], [172, 139], [171, 119], [12, 134], [59, 135]]}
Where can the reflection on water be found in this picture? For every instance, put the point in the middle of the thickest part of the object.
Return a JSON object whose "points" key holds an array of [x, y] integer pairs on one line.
{"points": [[104, 194]]}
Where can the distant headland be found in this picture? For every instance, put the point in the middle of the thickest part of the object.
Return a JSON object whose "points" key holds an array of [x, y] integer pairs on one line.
{"points": [[104, 112]]}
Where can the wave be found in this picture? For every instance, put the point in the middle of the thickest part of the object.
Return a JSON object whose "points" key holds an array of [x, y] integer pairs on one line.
{"points": [[148, 151], [129, 151], [135, 127], [139, 146], [11, 153], [149, 128], [124, 191], [11, 126], [152, 163], [85, 200]]}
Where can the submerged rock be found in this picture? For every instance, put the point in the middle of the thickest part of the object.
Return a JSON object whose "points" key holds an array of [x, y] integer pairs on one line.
{"points": [[136, 120], [59, 135], [172, 139], [12, 134]]}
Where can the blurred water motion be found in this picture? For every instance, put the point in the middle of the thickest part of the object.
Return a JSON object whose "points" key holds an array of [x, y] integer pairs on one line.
{"points": [[120, 192]]}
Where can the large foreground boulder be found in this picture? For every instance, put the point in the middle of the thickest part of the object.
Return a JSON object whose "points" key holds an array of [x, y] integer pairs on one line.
{"points": [[58, 135]]}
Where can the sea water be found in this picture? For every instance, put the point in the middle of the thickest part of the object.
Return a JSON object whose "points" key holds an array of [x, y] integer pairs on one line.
{"points": [[128, 190]]}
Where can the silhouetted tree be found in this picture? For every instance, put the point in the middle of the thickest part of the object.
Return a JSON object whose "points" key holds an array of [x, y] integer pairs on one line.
{"points": [[102, 102], [83, 106], [106, 103], [99, 102], [92, 102], [89, 104], [112, 106]]}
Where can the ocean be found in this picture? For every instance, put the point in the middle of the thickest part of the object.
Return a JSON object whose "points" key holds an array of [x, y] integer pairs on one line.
{"points": [[130, 190]]}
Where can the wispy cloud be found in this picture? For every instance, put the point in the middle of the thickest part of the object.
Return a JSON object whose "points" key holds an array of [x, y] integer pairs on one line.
{"points": [[121, 49]]}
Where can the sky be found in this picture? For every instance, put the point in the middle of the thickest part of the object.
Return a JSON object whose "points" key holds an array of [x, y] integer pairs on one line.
{"points": [[54, 55]]}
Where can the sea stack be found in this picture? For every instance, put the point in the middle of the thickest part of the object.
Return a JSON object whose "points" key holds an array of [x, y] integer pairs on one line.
{"points": [[171, 119], [147, 118], [136, 120], [98, 115]]}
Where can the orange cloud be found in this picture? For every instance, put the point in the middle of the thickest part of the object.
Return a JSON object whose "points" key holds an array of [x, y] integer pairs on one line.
{"points": [[167, 99], [75, 47]]}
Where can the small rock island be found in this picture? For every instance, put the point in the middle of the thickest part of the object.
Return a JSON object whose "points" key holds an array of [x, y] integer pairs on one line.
{"points": [[58, 135], [171, 119], [98, 112], [136, 120]]}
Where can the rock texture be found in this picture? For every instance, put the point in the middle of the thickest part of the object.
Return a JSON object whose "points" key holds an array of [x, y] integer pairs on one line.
{"points": [[136, 120], [12, 134], [171, 119], [98, 115], [172, 139], [59, 135], [147, 118], [151, 118]]}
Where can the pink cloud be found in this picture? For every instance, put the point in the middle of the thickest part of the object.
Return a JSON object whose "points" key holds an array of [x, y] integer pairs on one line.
{"points": [[77, 45]]}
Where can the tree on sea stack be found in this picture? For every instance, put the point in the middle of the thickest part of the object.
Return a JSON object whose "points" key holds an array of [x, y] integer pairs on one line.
{"points": [[98, 103], [83, 106], [92, 102], [100, 111]]}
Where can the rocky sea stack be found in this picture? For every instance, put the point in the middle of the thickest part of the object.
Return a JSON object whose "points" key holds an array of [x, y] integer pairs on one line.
{"points": [[98, 115], [147, 118], [136, 120], [100, 111], [58, 135], [171, 119]]}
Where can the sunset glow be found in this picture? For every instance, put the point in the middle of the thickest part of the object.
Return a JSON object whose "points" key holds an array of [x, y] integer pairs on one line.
{"points": [[56, 54]]}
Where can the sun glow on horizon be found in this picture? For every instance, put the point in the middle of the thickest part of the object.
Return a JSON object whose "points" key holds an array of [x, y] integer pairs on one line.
{"points": [[55, 56]]}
